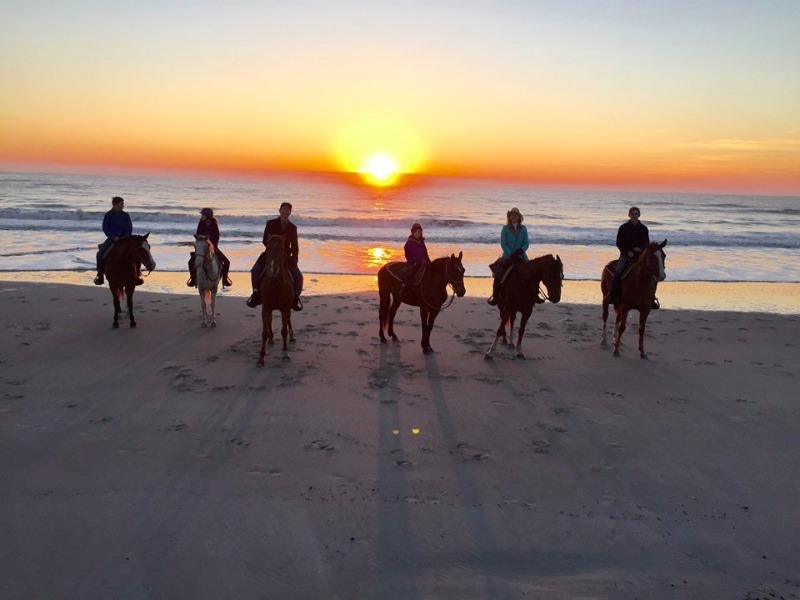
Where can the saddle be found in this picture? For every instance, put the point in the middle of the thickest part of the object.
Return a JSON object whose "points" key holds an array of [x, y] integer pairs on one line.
{"points": [[396, 270], [611, 267]]}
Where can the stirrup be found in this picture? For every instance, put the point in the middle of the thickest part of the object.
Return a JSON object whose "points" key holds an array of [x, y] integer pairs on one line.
{"points": [[655, 305], [254, 300], [99, 279], [492, 301], [226, 282], [297, 306], [191, 282]]}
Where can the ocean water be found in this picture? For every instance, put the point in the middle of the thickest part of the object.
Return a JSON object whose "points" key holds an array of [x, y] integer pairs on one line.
{"points": [[53, 222]]}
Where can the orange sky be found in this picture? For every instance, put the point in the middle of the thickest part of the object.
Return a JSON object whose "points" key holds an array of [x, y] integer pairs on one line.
{"points": [[668, 96]]}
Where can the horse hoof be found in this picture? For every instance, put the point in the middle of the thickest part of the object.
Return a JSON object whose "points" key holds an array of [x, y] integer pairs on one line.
{"points": [[615, 353], [213, 323], [261, 362], [133, 325], [428, 350], [488, 356], [520, 355], [643, 356], [291, 339], [286, 358], [395, 338], [603, 343], [115, 325], [383, 341], [204, 325]]}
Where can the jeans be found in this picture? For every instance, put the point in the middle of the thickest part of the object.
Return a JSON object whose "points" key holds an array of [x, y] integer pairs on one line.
{"points": [[103, 248]]}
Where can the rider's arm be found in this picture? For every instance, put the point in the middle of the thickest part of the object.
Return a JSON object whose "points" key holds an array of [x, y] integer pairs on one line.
{"points": [[505, 242], [127, 228], [524, 243]]}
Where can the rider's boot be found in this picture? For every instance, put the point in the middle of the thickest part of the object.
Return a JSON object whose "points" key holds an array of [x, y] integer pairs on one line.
{"points": [[226, 281], [655, 305], [493, 298], [99, 279], [297, 305], [191, 282], [254, 299]]}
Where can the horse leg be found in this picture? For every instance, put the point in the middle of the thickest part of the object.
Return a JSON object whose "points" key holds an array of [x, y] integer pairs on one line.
{"points": [[523, 321], [117, 309], [396, 301], [619, 327], [289, 324], [264, 332], [203, 306], [603, 339], [213, 293], [285, 316], [427, 327], [642, 323], [501, 333], [511, 318], [383, 314], [129, 289]]}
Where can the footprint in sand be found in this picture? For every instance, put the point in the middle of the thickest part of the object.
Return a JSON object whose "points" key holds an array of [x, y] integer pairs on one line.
{"points": [[319, 445], [541, 446], [239, 442]]}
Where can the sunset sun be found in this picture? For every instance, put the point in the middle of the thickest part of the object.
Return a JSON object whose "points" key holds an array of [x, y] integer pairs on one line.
{"points": [[380, 169]]}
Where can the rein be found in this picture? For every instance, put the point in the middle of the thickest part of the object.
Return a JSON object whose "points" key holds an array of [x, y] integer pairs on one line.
{"points": [[453, 297]]}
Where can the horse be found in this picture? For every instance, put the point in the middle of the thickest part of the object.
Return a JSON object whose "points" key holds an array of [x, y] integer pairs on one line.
{"points": [[520, 292], [637, 292], [429, 295], [277, 292], [123, 265], [208, 272]]}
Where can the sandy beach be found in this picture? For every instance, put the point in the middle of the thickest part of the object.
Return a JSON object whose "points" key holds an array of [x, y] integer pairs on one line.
{"points": [[161, 462]]}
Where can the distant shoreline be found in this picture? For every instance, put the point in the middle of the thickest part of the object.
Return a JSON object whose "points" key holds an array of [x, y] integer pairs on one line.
{"points": [[715, 296]]}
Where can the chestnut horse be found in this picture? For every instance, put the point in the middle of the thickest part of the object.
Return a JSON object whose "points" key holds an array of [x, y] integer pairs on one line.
{"points": [[277, 293], [207, 275], [430, 294], [123, 264], [520, 291], [637, 291]]}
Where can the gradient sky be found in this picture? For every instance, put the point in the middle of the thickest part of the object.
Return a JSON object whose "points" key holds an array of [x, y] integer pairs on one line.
{"points": [[700, 95]]}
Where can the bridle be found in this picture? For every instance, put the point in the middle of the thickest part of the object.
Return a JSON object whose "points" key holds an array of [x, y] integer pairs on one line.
{"points": [[560, 282], [447, 282], [278, 261], [208, 258]]}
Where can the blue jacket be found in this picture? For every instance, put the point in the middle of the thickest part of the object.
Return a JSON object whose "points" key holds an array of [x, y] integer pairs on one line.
{"points": [[511, 240], [416, 251], [117, 223]]}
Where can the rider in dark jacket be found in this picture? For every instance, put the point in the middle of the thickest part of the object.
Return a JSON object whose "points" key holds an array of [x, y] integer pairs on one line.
{"points": [[116, 225], [632, 238], [208, 226], [416, 253]]}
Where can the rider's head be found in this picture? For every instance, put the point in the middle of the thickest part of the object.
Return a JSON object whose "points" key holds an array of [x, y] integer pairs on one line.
{"points": [[416, 230], [514, 212], [208, 213], [633, 213], [285, 210], [117, 203]]}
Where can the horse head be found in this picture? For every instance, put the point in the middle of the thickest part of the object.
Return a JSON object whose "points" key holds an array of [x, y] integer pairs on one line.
{"points": [[454, 274], [275, 255], [654, 260], [204, 247], [553, 278], [143, 251]]}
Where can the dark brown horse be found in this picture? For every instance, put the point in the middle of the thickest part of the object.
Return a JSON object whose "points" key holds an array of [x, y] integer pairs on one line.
{"points": [[637, 291], [123, 265], [277, 293], [520, 291], [430, 294]]}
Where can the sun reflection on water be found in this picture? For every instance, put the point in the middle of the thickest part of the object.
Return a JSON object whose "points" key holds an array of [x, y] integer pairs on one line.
{"points": [[378, 256]]}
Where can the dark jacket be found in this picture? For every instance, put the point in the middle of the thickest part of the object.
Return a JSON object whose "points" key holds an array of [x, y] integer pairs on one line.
{"points": [[630, 236], [210, 228], [274, 227], [117, 223], [416, 252]]}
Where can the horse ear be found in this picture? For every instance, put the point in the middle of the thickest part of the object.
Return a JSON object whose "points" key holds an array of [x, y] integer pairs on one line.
{"points": [[664, 243], [460, 254], [145, 235], [558, 258]]}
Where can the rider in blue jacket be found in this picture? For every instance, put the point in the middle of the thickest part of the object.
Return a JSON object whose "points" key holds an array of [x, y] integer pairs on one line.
{"points": [[514, 242], [116, 225]]}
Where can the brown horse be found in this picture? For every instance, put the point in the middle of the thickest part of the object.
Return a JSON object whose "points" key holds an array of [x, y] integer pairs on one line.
{"points": [[520, 291], [637, 291], [430, 294], [123, 264], [277, 293]]}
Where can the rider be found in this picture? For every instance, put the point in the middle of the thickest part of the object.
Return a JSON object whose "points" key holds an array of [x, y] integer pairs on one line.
{"points": [[632, 238], [416, 255], [280, 226], [514, 242], [209, 227], [116, 225]]}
